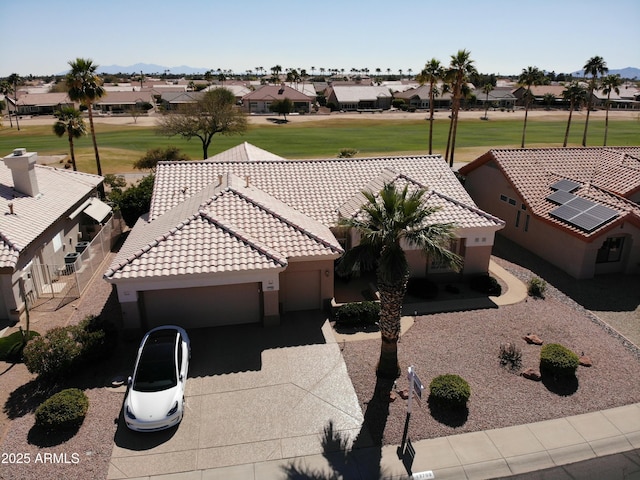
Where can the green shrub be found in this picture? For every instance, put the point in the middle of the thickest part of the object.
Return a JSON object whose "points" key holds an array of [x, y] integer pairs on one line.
{"points": [[360, 313], [537, 287], [97, 336], [53, 354], [347, 153], [558, 361], [485, 284], [510, 355], [449, 390], [63, 411], [11, 346]]}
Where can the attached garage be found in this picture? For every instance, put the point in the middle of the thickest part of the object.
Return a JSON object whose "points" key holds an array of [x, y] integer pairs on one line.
{"points": [[202, 306]]}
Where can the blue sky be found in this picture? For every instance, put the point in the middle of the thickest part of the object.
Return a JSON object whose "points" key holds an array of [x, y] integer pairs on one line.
{"points": [[42, 36]]}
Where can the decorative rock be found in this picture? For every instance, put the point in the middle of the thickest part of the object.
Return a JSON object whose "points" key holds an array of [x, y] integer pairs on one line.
{"points": [[532, 338], [585, 361], [531, 374], [392, 397], [404, 394]]}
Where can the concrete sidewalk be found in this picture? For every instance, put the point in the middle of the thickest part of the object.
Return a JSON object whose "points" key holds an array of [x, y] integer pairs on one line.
{"points": [[489, 454]]}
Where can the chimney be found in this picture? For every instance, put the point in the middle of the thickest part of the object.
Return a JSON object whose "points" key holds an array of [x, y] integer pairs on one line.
{"points": [[22, 166]]}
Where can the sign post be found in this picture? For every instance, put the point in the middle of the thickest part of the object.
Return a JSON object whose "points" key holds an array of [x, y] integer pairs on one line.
{"points": [[415, 388]]}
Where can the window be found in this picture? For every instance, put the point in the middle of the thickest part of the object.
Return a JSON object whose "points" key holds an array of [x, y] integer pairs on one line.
{"points": [[508, 200], [57, 242], [518, 218], [611, 250], [526, 224]]}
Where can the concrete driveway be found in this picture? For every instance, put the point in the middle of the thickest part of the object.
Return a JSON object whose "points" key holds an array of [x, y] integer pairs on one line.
{"points": [[253, 394]]}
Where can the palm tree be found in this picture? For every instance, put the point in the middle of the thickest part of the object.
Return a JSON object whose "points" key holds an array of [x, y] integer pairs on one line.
{"points": [[595, 66], [576, 95], [388, 220], [530, 76], [431, 73], [5, 89], [610, 83], [460, 68], [487, 89], [85, 86], [70, 122]]}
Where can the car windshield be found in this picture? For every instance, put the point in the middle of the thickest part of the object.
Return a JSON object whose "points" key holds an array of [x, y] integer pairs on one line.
{"points": [[156, 369]]}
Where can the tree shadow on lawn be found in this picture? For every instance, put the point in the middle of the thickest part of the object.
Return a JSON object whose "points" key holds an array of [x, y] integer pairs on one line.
{"points": [[360, 460]]}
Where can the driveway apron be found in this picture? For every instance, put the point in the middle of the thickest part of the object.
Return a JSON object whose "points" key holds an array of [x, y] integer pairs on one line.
{"points": [[253, 394]]}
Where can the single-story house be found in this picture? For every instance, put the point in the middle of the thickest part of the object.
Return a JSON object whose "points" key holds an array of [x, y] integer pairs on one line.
{"points": [[538, 92], [577, 208], [359, 97], [239, 91], [172, 100], [39, 103], [260, 100], [499, 97], [124, 101], [243, 241], [46, 213], [418, 97]]}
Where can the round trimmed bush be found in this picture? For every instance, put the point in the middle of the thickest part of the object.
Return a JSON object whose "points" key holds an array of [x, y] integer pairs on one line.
{"points": [[449, 390], [558, 360], [53, 354], [63, 411]]}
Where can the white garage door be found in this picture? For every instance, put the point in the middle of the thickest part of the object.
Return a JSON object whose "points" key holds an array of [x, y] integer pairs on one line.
{"points": [[203, 306], [300, 290]]}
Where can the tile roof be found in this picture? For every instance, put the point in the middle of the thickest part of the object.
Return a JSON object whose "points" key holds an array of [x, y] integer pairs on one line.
{"points": [[60, 191], [357, 93], [269, 212], [245, 152], [277, 92], [227, 226], [605, 174]]}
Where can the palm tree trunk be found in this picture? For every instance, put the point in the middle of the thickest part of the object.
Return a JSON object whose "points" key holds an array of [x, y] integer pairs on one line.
{"points": [[453, 138], [524, 127], [431, 112], [73, 155], [566, 133], [391, 298], [606, 122], [586, 123], [95, 149]]}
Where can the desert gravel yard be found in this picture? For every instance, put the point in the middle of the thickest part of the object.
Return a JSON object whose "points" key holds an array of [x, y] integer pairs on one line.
{"points": [[468, 344]]}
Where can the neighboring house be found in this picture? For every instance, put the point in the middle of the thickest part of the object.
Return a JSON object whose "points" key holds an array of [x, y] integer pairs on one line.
{"points": [[46, 213], [626, 99], [350, 98], [245, 152], [499, 97], [419, 97], [577, 208], [244, 241], [173, 100], [239, 91], [260, 100], [538, 92], [39, 103], [124, 101]]}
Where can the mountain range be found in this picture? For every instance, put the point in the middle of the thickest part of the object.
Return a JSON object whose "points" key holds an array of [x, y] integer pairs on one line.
{"points": [[150, 68]]}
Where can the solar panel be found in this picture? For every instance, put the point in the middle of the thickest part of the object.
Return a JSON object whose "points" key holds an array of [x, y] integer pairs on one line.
{"points": [[586, 222], [581, 204], [565, 212], [565, 185], [560, 197], [602, 212]]}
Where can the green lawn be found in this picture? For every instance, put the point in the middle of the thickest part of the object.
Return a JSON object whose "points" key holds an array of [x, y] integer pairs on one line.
{"points": [[121, 145]]}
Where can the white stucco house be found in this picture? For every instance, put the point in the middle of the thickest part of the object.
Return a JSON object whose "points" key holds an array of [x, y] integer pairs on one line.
{"points": [[238, 240]]}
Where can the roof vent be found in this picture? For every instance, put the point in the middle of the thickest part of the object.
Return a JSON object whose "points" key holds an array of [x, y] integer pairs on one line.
{"points": [[18, 152]]}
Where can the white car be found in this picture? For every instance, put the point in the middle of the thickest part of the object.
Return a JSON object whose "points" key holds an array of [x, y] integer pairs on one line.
{"points": [[155, 395]]}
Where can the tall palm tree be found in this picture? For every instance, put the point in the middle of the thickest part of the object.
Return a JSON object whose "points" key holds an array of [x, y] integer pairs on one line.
{"points": [[576, 95], [530, 76], [432, 73], [85, 86], [388, 220], [595, 66], [610, 83], [6, 89], [70, 122], [460, 69], [487, 89]]}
